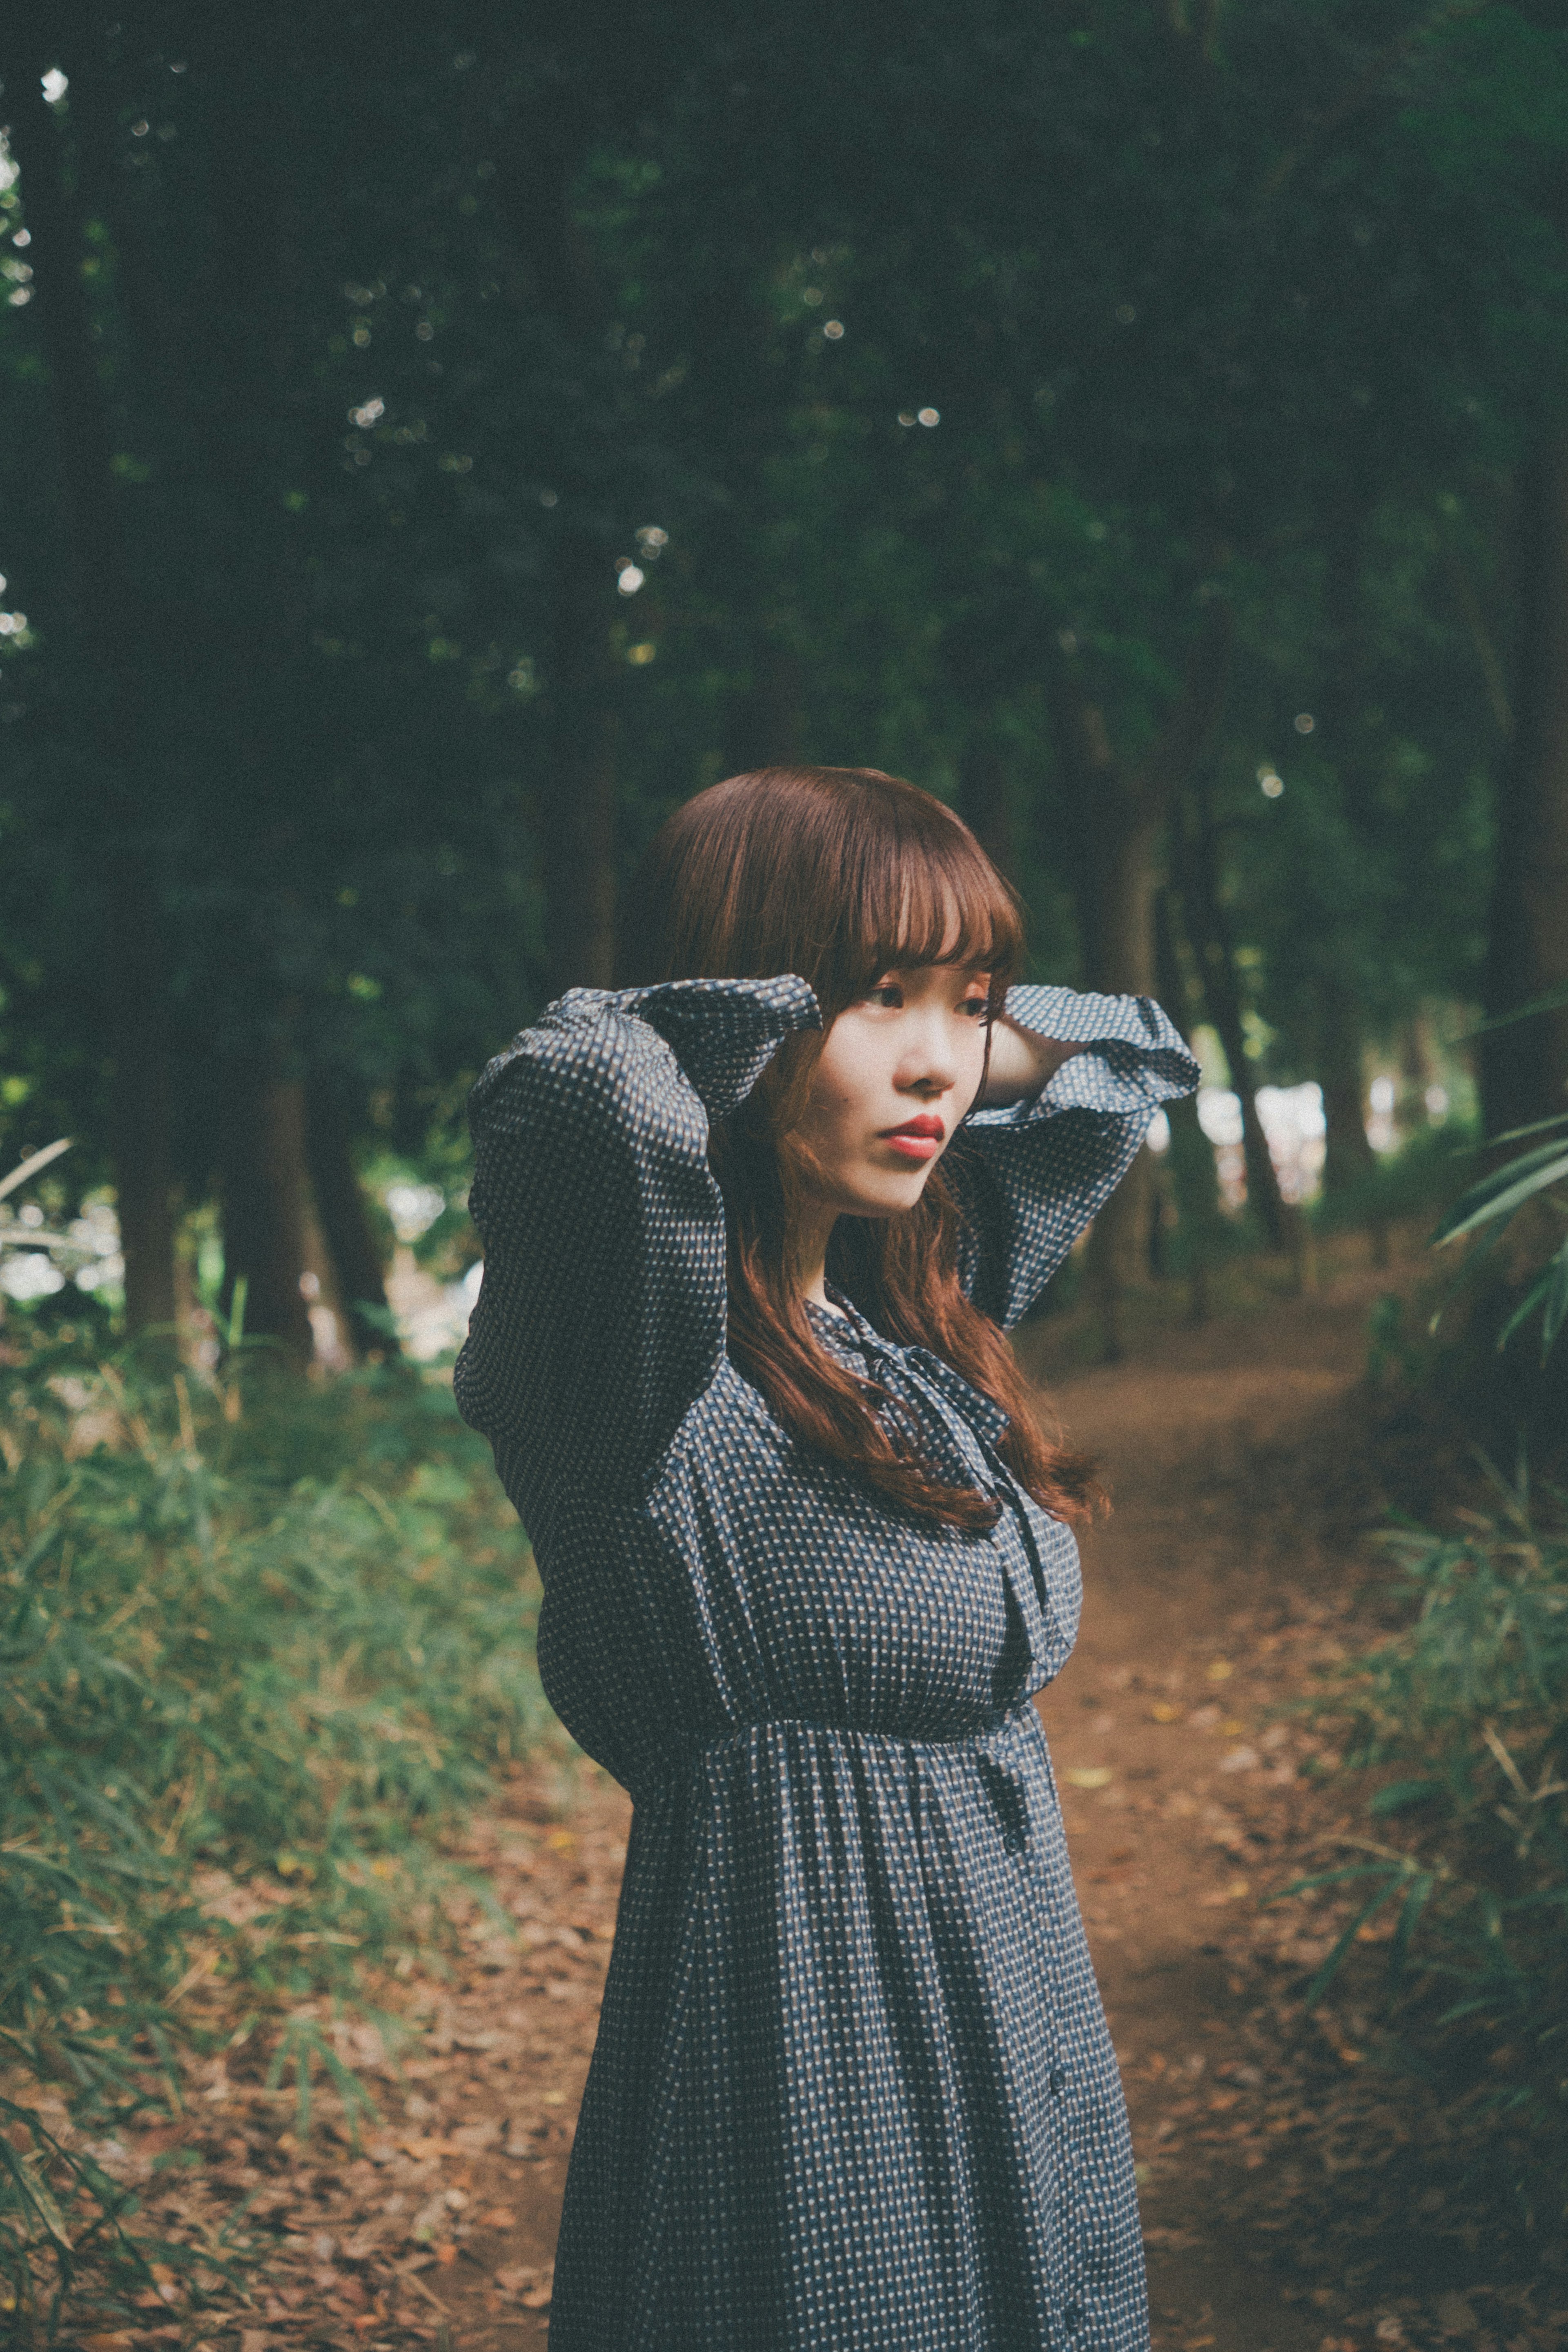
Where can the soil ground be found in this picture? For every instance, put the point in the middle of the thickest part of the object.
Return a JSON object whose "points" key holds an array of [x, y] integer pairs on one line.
{"points": [[1285, 2201]]}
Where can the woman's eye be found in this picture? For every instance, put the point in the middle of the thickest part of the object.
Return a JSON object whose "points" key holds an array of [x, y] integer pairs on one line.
{"points": [[888, 994], [976, 1007]]}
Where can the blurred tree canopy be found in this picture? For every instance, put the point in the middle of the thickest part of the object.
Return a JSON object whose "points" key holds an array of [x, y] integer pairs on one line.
{"points": [[434, 449]]}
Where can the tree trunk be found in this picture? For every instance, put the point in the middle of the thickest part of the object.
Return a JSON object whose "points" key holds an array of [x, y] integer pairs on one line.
{"points": [[1524, 1067], [577, 810], [576, 807], [1123, 965], [983, 800], [1120, 813], [1349, 1157], [140, 1113], [1119, 835], [1214, 952], [766, 721], [1194, 1176], [264, 1176], [136, 1012], [345, 1223]]}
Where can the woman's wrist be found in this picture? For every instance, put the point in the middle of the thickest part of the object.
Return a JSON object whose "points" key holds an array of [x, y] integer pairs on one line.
{"points": [[1023, 1064]]}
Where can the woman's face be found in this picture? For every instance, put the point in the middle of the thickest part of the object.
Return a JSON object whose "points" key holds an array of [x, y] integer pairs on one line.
{"points": [[897, 1072]]}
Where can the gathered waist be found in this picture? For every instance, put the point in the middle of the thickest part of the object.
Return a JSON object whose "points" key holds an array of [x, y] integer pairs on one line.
{"points": [[1006, 1752], [978, 1735]]}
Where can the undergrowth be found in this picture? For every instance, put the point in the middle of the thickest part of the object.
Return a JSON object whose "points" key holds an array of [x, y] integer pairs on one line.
{"points": [[261, 1643], [1421, 1180], [1457, 1724]]}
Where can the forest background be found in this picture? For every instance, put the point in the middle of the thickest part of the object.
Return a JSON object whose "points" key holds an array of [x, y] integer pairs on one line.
{"points": [[435, 446], [432, 453]]}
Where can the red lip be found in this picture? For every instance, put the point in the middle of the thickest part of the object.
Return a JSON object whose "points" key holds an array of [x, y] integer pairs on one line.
{"points": [[918, 1139]]}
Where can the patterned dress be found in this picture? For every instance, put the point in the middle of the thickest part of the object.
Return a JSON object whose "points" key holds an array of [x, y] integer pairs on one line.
{"points": [[852, 2090]]}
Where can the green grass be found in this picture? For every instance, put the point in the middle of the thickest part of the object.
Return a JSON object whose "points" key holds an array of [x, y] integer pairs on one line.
{"points": [[1456, 1727], [262, 1643]]}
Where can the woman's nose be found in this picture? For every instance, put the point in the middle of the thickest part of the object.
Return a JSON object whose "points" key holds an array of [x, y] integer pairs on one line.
{"points": [[933, 1070]]}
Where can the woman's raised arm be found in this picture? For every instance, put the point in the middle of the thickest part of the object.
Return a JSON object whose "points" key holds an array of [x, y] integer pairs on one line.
{"points": [[1075, 1083], [602, 1315]]}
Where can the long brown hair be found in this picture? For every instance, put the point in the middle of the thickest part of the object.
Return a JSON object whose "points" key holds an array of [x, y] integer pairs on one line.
{"points": [[840, 875]]}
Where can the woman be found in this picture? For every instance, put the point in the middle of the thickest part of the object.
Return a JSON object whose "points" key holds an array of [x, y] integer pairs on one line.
{"points": [[750, 1245]]}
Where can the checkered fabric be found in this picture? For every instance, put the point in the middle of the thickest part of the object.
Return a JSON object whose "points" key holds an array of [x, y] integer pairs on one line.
{"points": [[853, 2090]]}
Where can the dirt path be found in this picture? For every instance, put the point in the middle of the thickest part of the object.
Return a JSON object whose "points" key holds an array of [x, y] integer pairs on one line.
{"points": [[1209, 1594], [1211, 1591]]}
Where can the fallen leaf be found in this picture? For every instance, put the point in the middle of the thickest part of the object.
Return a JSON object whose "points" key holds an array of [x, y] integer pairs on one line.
{"points": [[498, 2219], [560, 1840], [421, 2150], [1163, 1711], [1090, 1776], [474, 2139], [537, 2298], [1220, 1670], [117, 2339], [446, 2253]]}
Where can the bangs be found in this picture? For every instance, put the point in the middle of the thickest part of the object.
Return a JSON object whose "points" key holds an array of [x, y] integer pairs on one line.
{"points": [[837, 874], [926, 893]]}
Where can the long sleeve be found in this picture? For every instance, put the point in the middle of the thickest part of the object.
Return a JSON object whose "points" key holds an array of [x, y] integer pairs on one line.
{"points": [[601, 1314], [1032, 1175]]}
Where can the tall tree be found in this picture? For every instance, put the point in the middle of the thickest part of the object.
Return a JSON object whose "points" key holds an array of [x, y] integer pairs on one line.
{"points": [[1122, 807], [1524, 1065], [106, 615]]}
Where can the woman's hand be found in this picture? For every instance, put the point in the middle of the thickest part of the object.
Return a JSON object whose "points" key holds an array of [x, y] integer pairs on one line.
{"points": [[1023, 1064]]}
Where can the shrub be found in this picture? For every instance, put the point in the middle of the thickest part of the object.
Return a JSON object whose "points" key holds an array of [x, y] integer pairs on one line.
{"points": [[260, 1644], [1459, 1722], [1418, 1180]]}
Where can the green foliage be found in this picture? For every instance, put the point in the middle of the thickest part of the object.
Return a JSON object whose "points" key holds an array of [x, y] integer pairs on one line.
{"points": [[259, 1645], [551, 291], [1458, 1725], [1419, 1180], [1529, 1181]]}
